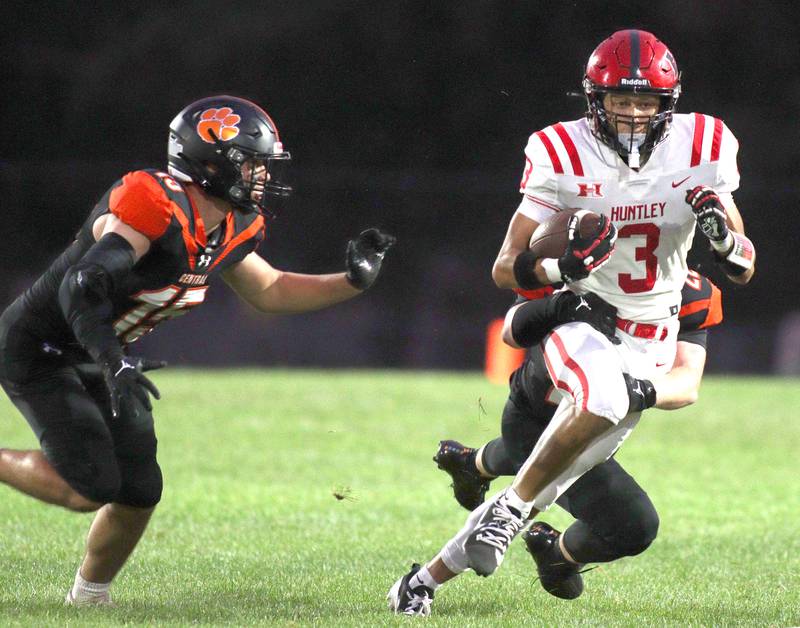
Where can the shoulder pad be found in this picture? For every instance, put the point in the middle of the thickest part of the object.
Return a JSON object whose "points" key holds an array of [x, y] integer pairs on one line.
{"points": [[554, 147], [141, 202], [711, 139]]}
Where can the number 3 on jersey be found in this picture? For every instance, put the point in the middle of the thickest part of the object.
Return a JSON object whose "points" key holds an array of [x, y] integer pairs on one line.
{"points": [[645, 253]]}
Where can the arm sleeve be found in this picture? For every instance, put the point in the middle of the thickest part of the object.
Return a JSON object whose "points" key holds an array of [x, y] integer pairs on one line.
{"points": [[701, 304], [695, 336], [538, 187], [142, 204], [534, 320], [84, 295]]}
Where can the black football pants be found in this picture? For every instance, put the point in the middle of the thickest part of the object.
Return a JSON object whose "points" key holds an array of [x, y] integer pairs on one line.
{"points": [[66, 404], [614, 516]]}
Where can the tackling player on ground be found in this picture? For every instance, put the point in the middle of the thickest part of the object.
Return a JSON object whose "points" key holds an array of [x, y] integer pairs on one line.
{"points": [[653, 175], [146, 253], [615, 517]]}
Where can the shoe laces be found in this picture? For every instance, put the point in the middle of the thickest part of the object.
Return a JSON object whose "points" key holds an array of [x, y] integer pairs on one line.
{"points": [[501, 529], [417, 603]]}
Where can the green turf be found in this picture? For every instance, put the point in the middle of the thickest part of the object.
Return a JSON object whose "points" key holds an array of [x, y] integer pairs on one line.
{"points": [[249, 531]]}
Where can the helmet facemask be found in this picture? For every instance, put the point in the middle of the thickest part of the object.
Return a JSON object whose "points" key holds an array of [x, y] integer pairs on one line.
{"points": [[250, 181], [632, 137]]}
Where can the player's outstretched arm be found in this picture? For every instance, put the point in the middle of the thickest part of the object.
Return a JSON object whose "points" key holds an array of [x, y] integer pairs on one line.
{"points": [[274, 291]]}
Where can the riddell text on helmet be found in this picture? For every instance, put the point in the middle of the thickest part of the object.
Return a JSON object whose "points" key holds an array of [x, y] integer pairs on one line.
{"points": [[635, 82]]}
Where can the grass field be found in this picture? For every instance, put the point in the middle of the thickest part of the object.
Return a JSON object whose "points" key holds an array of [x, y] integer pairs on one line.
{"points": [[249, 530]]}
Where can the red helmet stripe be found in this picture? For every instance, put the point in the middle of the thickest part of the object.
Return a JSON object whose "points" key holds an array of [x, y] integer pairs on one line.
{"points": [[697, 142], [717, 141], [574, 158], [551, 151]]}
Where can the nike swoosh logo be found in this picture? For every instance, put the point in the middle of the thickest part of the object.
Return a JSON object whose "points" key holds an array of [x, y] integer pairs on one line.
{"points": [[660, 365], [681, 181]]}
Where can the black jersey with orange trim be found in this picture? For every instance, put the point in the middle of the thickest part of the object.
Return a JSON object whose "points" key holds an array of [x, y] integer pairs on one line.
{"points": [[169, 279], [701, 308]]}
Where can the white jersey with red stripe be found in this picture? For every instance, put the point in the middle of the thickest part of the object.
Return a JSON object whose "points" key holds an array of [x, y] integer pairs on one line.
{"points": [[567, 167]]}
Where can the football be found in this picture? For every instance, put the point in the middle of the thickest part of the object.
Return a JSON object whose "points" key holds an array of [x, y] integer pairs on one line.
{"points": [[551, 237]]}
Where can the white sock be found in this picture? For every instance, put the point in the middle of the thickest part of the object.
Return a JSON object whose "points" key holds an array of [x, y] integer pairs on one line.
{"points": [[85, 590], [515, 501], [423, 578]]}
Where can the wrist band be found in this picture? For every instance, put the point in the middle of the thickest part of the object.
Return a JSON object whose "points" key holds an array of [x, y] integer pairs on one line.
{"points": [[740, 257], [551, 269], [723, 246], [525, 271]]}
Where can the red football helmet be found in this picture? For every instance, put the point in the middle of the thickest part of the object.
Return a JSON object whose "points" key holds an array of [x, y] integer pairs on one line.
{"points": [[631, 62]]}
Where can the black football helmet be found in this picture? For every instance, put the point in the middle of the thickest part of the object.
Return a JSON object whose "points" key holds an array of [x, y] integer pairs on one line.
{"points": [[230, 147]]}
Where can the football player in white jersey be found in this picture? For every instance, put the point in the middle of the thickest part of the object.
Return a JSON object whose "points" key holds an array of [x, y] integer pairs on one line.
{"points": [[652, 175]]}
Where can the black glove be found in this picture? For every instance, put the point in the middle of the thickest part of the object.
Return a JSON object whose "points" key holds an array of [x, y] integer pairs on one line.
{"points": [[587, 308], [125, 381], [641, 393], [365, 256], [709, 213], [583, 255]]}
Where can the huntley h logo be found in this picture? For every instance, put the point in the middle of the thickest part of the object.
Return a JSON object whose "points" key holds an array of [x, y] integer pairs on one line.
{"points": [[589, 189]]}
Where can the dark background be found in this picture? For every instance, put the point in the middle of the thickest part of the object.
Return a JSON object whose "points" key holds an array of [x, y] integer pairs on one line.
{"points": [[408, 115]]}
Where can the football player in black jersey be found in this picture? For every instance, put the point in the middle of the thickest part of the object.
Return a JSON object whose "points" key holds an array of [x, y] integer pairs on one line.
{"points": [[614, 515], [146, 253]]}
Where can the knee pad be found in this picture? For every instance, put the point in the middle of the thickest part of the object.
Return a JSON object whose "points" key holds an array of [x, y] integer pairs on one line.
{"points": [[141, 484], [90, 469], [136, 447], [638, 533]]}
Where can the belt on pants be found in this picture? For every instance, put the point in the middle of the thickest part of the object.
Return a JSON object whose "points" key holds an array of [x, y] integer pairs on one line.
{"points": [[643, 330]]}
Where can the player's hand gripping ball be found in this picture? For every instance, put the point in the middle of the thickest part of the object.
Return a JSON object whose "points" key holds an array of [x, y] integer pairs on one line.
{"points": [[581, 241]]}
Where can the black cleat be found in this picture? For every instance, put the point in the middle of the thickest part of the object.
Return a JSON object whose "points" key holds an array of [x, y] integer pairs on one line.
{"points": [[558, 576], [469, 486], [404, 600]]}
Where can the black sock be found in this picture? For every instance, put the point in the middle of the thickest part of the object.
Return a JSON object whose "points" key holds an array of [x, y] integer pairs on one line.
{"points": [[585, 546], [495, 459]]}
